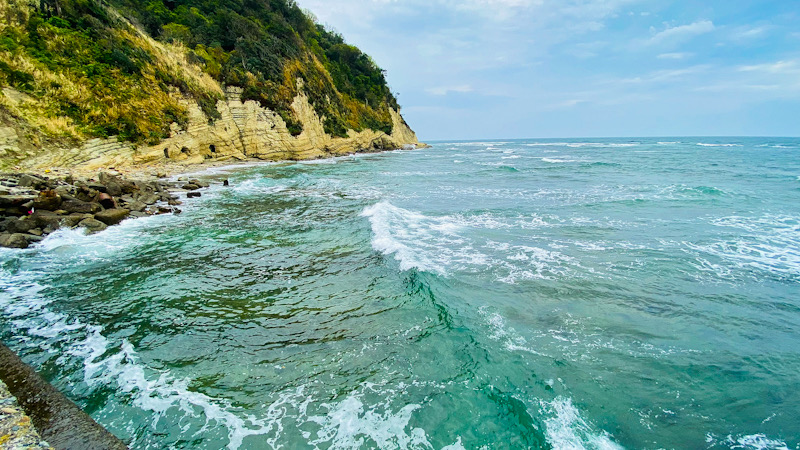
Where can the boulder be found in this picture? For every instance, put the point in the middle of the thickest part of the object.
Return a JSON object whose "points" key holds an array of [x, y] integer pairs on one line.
{"points": [[92, 225], [97, 187], [48, 200], [20, 225], [46, 220], [15, 201], [112, 216], [133, 205], [191, 187], [192, 194], [35, 182], [15, 240], [147, 199], [74, 219], [77, 206]]}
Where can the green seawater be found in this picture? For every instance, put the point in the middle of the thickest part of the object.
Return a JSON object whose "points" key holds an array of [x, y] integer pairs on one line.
{"points": [[566, 294]]}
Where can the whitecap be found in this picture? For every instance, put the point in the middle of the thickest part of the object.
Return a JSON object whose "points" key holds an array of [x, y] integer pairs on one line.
{"points": [[565, 428]]}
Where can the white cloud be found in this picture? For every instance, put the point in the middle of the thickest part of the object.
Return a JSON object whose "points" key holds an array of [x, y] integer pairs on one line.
{"points": [[676, 55], [444, 90], [778, 67], [681, 33]]}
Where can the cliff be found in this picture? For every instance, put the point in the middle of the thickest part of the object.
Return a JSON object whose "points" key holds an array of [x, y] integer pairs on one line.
{"points": [[87, 84]]}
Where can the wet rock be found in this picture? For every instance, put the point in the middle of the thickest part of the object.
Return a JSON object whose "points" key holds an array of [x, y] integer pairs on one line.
{"points": [[172, 202], [77, 206], [225, 182], [72, 220], [192, 194], [15, 240], [191, 187], [92, 225], [112, 216], [138, 214]]}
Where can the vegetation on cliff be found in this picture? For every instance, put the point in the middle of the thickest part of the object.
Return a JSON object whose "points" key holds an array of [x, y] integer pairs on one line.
{"points": [[92, 69]]}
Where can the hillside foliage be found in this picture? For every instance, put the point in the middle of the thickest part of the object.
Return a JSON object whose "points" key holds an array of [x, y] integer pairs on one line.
{"points": [[100, 76]]}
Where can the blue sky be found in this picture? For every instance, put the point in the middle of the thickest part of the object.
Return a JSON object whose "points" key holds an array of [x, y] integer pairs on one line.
{"points": [[481, 69]]}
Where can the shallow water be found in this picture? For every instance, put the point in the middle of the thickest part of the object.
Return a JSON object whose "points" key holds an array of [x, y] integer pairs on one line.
{"points": [[520, 294]]}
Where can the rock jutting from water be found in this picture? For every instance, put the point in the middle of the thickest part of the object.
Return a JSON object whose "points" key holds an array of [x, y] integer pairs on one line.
{"points": [[32, 206]]}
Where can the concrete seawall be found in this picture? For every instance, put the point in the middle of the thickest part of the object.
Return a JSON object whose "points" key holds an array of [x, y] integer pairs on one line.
{"points": [[57, 419]]}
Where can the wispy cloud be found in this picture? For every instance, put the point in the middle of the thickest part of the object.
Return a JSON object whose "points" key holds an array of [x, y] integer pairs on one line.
{"points": [[444, 90], [680, 33], [675, 55]]}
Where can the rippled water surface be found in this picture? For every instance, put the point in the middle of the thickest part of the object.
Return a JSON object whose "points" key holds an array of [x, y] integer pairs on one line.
{"points": [[520, 294]]}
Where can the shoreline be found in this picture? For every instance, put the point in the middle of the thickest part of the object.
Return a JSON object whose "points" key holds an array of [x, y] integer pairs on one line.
{"points": [[36, 203]]}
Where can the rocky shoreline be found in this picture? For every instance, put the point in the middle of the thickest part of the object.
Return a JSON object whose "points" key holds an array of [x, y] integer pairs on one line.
{"points": [[34, 205]]}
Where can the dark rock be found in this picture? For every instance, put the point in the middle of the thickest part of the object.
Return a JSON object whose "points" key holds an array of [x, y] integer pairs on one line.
{"points": [[92, 225], [14, 200], [192, 194], [77, 206], [191, 187], [225, 182], [74, 219], [35, 182], [46, 220], [48, 200], [112, 216], [15, 240], [113, 188], [20, 225], [97, 187], [106, 201]]}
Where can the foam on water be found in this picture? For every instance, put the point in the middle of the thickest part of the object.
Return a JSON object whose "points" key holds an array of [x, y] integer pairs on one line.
{"points": [[444, 244], [769, 243], [106, 364], [566, 429], [703, 144]]}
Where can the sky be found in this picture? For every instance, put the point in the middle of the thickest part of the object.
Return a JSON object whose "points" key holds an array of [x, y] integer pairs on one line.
{"points": [[501, 69]]}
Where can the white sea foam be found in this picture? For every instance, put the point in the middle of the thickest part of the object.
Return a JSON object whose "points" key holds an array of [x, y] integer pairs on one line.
{"points": [[157, 394], [559, 160], [748, 442], [442, 244], [703, 144], [349, 422], [585, 144], [511, 339], [565, 428], [770, 243]]}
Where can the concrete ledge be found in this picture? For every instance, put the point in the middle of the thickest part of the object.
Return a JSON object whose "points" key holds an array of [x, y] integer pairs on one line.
{"points": [[59, 421]]}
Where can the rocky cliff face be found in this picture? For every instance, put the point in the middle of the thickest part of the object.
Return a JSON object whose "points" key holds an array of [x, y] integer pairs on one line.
{"points": [[245, 131], [73, 72]]}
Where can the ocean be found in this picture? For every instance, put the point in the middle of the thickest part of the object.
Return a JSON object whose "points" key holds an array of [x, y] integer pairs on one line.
{"points": [[547, 293]]}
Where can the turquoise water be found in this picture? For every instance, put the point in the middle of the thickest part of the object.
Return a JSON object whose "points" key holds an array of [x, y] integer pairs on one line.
{"points": [[559, 294]]}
